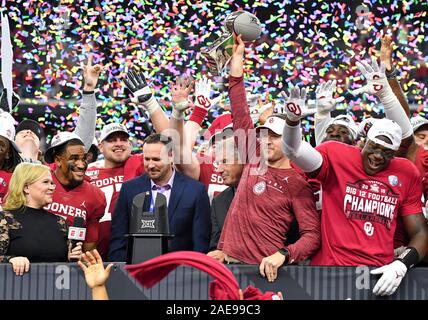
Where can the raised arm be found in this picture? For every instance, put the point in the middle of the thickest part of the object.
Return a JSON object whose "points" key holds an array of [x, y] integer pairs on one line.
{"points": [[407, 149], [241, 115], [95, 275], [297, 150], [378, 85], [184, 160], [325, 103], [391, 71], [144, 98], [85, 125]]}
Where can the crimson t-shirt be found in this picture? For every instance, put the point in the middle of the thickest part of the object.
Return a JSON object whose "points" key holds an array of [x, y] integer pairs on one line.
{"points": [[210, 177], [265, 204], [85, 200], [4, 184], [110, 180], [359, 212]]}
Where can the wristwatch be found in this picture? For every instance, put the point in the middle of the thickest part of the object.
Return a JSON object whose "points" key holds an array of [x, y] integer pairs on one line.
{"points": [[285, 252]]}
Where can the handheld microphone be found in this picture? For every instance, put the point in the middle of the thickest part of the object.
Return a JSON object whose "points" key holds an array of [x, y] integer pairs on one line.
{"points": [[77, 232]]}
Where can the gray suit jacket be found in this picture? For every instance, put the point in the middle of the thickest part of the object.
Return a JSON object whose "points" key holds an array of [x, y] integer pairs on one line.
{"points": [[219, 207]]}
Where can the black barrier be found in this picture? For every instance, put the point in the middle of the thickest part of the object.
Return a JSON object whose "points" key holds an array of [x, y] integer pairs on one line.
{"points": [[66, 282]]}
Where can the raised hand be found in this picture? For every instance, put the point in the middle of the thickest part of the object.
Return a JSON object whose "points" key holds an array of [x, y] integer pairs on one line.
{"points": [[203, 93], [92, 265], [179, 96], [137, 84], [181, 89], [295, 103], [91, 74], [376, 79], [324, 94], [386, 51], [238, 46], [237, 60]]}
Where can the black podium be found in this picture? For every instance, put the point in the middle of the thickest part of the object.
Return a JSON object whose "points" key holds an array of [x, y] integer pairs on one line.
{"points": [[148, 231]]}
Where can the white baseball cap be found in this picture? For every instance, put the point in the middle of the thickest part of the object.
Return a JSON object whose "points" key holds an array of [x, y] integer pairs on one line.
{"points": [[7, 129], [418, 122], [108, 129], [389, 129], [275, 124], [59, 139], [365, 126], [347, 121]]}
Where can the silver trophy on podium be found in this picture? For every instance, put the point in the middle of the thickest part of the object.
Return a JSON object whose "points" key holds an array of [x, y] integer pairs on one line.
{"points": [[219, 53]]}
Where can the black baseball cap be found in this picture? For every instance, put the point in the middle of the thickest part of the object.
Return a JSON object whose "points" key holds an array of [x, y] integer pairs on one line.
{"points": [[31, 125]]}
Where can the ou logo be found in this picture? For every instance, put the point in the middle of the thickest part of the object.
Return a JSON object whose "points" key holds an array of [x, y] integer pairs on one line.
{"points": [[368, 228], [294, 108], [203, 101], [377, 87]]}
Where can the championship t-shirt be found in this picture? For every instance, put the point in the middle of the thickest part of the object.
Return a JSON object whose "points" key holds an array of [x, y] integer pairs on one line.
{"points": [[4, 184], [359, 212], [85, 200], [110, 180]]}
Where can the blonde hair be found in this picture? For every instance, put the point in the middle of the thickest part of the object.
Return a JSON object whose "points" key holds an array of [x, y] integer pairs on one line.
{"points": [[23, 175]]}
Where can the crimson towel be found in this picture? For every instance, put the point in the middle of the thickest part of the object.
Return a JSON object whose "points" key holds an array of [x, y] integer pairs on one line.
{"points": [[224, 287]]}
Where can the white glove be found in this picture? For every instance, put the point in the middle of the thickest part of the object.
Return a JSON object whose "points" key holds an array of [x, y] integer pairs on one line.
{"points": [[392, 274], [295, 106], [325, 102], [203, 93], [377, 83]]}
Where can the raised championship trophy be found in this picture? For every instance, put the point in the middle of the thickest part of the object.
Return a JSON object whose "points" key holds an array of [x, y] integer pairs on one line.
{"points": [[219, 53]]}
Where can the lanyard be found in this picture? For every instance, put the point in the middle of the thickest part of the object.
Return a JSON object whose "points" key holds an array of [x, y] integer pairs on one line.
{"points": [[152, 204]]}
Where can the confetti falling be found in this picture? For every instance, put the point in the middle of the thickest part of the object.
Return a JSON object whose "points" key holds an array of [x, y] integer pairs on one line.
{"points": [[303, 42]]}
